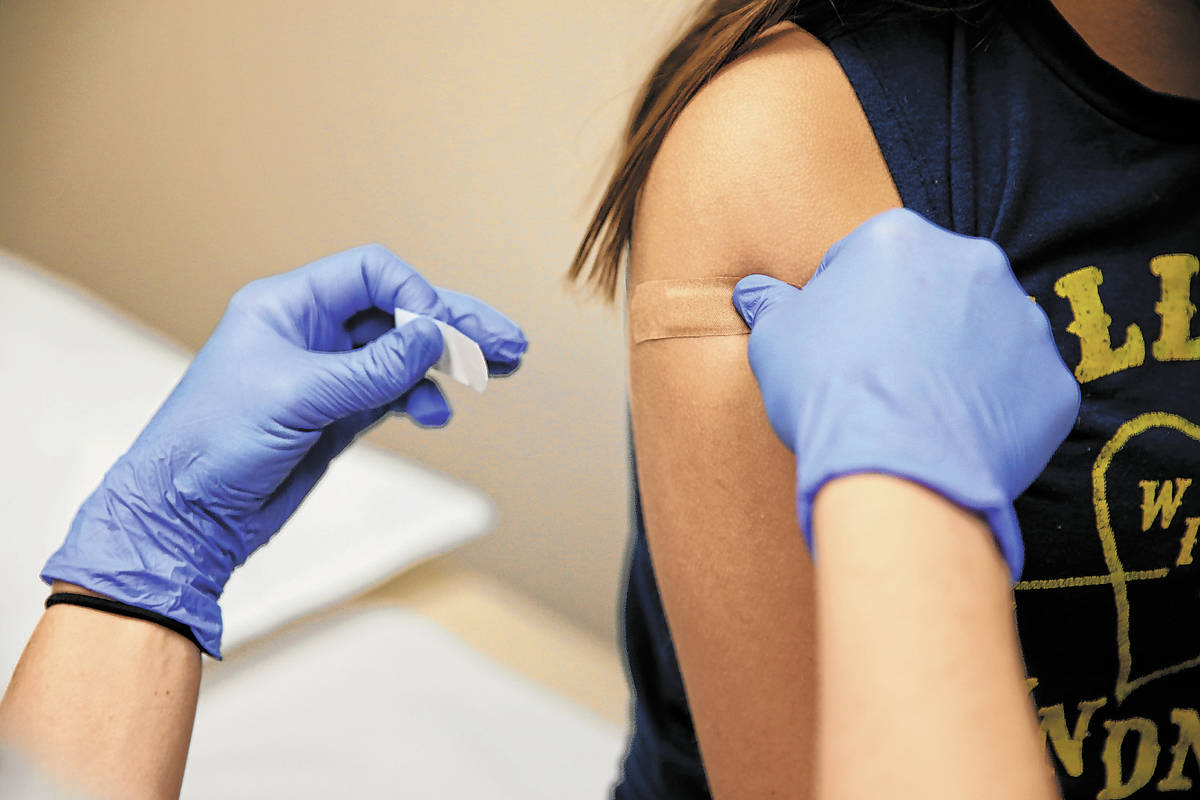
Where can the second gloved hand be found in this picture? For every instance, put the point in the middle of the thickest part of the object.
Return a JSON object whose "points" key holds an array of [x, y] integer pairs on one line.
{"points": [[912, 352], [300, 364]]}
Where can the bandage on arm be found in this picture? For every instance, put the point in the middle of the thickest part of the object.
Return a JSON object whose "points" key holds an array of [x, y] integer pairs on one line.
{"points": [[683, 308]]}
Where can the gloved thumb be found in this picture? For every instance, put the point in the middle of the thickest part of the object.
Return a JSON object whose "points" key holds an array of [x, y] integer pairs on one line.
{"points": [[378, 373], [754, 294]]}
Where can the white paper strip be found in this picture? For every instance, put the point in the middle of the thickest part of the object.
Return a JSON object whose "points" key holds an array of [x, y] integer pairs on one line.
{"points": [[461, 360]]}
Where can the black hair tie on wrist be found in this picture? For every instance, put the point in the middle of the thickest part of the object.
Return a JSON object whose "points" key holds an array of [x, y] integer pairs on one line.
{"points": [[122, 609]]}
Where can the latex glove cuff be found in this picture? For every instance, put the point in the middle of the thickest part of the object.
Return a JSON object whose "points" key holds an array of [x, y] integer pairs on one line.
{"points": [[868, 438], [158, 570]]}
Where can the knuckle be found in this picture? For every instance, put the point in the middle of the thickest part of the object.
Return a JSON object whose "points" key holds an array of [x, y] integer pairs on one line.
{"points": [[250, 296], [1067, 402], [375, 258], [893, 225], [985, 257], [1039, 322], [376, 251], [1050, 375], [1037, 334], [1072, 391]]}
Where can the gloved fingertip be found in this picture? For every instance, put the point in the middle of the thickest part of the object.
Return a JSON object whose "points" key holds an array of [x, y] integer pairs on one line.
{"points": [[426, 405], [510, 352], [500, 369], [430, 419], [518, 347], [751, 293]]}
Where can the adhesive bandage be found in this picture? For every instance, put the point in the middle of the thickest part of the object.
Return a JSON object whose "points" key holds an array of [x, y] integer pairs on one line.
{"points": [[672, 309]]}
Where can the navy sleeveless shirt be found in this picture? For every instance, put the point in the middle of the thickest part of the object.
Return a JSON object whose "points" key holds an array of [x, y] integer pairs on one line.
{"points": [[1091, 183]]}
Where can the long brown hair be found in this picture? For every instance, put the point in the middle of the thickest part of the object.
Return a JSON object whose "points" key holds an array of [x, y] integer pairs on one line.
{"points": [[718, 33]]}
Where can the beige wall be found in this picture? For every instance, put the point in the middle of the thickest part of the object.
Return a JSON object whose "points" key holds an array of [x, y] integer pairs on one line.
{"points": [[165, 153]]}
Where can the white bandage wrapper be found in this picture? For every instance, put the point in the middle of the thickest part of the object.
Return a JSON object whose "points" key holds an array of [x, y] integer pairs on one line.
{"points": [[461, 360]]}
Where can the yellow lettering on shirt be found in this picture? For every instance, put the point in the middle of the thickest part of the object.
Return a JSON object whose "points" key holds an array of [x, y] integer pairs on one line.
{"points": [[1116, 785], [1188, 543], [1189, 742], [1066, 745], [1165, 501], [1091, 325], [1176, 307]]}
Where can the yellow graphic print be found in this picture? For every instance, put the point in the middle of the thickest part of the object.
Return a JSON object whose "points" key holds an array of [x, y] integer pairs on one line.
{"points": [[1068, 746], [1097, 357], [1188, 723], [1188, 543], [1136, 749], [1123, 777], [1115, 785], [1166, 503], [1176, 308], [1126, 683], [1161, 502]]}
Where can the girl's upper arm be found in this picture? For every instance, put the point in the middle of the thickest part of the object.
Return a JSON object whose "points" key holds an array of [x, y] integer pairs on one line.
{"points": [[770, 164]]}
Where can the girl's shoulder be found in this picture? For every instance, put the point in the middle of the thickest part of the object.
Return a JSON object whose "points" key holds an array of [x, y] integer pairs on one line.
{"points": [[768, 165]]}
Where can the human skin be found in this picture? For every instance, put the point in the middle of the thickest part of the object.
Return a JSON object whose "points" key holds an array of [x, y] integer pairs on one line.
{"points": [[918, 644], [106, 703], [1152, 41]]}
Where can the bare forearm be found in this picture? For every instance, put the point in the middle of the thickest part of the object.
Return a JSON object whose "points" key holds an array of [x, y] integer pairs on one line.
{"points": [[105, 702], [922, 685]]}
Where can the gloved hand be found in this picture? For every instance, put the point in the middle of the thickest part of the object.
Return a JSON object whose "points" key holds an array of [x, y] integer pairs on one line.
{"points": [[914, 352], [300, 364]]}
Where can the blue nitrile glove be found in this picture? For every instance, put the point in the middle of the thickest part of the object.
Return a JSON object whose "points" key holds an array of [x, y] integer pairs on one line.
{"points": [[300, 364], [913, 352]]}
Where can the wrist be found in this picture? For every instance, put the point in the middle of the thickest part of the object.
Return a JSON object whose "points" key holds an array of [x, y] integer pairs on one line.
{"points": [[130, 545], [888, 489], [96, 602], [63, 586], [997, 518], [874, 438], [869, 507]]}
